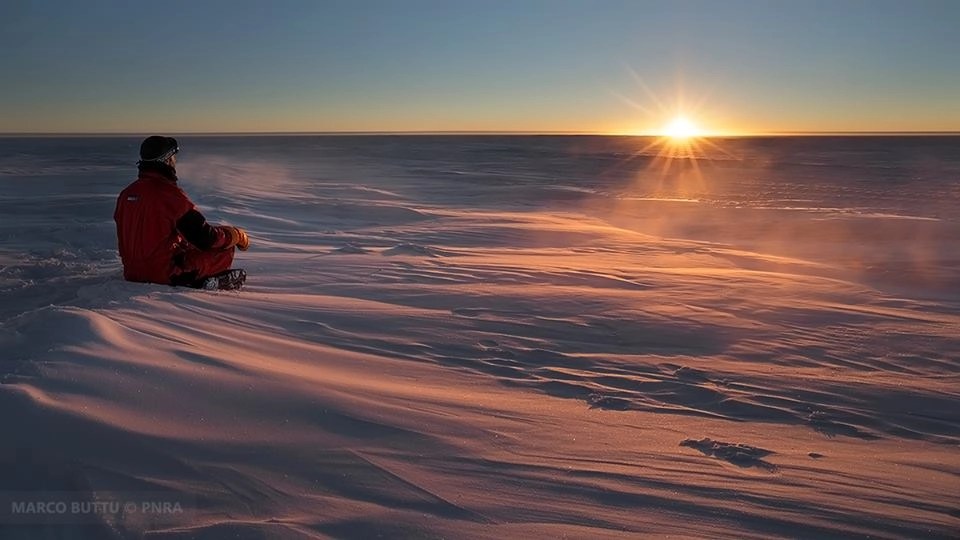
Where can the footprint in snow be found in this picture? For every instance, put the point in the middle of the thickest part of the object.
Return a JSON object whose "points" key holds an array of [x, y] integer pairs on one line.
{"points": [[611, 403], [741, 455]]}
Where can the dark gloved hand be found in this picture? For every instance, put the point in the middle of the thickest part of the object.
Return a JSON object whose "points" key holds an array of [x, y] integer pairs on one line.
{"points": [[236, 237]]}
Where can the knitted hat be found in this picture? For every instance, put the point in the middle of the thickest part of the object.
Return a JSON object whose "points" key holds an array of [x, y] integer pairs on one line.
{"points": [[157, 148]]}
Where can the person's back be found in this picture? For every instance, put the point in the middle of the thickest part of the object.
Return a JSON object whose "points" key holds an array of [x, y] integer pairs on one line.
{"points": [[147, 236], [161, 236]]}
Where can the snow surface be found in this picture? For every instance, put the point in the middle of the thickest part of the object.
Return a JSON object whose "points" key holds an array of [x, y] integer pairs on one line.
{"points": [[491, 359]]}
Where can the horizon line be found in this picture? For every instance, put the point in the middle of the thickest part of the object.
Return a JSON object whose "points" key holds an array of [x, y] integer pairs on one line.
{"points": [[10, 134]]}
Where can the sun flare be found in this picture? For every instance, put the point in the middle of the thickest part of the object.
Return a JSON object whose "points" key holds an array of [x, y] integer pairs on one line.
{"points": [[678, 134], [681, 128]]}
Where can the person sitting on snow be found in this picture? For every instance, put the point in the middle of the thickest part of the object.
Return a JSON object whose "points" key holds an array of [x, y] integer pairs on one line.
{"points": [[162, 237]]}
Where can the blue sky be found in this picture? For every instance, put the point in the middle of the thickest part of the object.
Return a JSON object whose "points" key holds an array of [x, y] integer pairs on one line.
{"points": [[458, 65]]}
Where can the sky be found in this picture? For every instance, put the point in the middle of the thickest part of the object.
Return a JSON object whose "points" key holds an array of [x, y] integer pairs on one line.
{"points": [[602, 66]]}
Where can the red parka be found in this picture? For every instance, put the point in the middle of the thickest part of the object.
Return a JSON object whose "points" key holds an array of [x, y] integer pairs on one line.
{"points": [[151, 215]]}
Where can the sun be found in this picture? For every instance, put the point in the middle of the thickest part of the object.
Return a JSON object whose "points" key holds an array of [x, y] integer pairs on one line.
{"points": [[681, 128]]}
